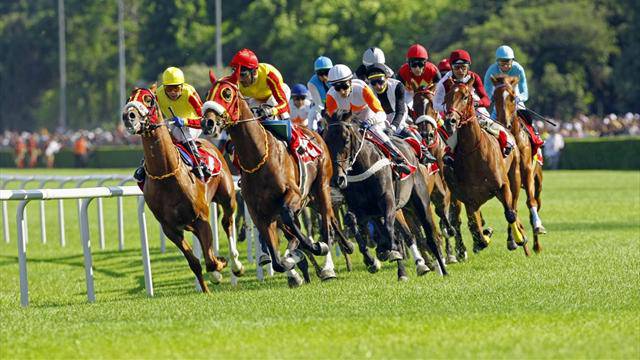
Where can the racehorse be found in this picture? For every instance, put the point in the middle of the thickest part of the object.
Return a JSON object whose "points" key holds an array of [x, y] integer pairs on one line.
{"points": [[269, 182], [373, 194], [480, 172], [438, 189], [504, 98], [178, 199]]}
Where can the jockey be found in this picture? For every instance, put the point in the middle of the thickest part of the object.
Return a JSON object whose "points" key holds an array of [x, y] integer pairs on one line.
{"points": [[318, 87], [460, 61], [444, 67], [390, 92], [354, 95], [262, 84], [372, 55], [300, 106], [185, 102], [505, 64], [417, 73]]}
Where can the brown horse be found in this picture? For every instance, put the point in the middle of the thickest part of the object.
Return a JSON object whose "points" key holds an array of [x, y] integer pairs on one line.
{"points": [[177, 198], [438, 189], [269, 182], [504, 98], [480, 172]]}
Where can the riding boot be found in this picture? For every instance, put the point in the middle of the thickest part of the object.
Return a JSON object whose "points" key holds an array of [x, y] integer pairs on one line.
{"points": [[398, 158], [199, 168], [427, 156], [139, 174]]}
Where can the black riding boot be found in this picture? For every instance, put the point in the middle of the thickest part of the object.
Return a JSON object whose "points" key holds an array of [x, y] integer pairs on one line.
{"points": [[400, 161], [139, 174], [427, 156]]}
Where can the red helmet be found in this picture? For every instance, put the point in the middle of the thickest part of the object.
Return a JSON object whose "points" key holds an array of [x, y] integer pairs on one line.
{"points": [[417, 51], [245, 58], [444, 65], [459, 57]]}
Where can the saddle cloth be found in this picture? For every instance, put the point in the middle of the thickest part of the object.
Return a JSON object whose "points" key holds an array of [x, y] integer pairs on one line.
{"points": [[387, 153], [209, 158]]}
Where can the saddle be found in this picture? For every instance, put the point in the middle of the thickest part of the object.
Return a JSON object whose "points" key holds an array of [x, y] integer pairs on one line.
{"points": [[387, 153], [209, 158]]}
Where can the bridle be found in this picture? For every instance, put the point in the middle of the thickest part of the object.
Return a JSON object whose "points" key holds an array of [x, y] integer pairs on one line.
{"points": [[351, 158], [509, 123]]}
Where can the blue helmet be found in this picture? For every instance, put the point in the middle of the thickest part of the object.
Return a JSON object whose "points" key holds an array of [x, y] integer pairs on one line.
{"points": [[504, 52], [299, 90], [321, 63]]}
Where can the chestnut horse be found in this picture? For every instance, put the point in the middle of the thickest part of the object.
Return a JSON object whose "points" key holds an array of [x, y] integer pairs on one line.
{"points": [[269, 182], [438, 189], [480, 172], [177, 198], [504, 98]]}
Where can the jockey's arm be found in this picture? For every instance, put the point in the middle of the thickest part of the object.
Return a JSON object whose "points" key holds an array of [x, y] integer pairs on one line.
{"points": [[438, 98], [479, 89], [523, 89], [315, 96], [196, 103], [400, 106], [332, 105], [488, 85], [275, 85]]}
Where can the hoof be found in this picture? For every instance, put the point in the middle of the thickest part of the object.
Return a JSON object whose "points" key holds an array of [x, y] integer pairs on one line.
{"points": [[478, 246], [324, 249], [383, 255], [294, 281], [395, 255], [288, 262], [375, 267], [488, 231], [422, 269], [327, 274], [348, 247], [215, 277], [540, 230], [451, 259], [238, 271], [511, 245], [264, 259], [403, 278]]}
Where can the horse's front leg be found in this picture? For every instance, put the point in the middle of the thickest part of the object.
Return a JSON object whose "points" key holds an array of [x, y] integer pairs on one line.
{"points": [[288, 219], [228, 224], [421, 267], [456, 223], [514, 235], [214, 265], [177, 237], [269, 237], [355, 225], [474, 221]]}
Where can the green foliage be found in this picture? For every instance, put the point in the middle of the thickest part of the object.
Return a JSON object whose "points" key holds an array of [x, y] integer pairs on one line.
{"points": [[601, 153], [586, 49]]}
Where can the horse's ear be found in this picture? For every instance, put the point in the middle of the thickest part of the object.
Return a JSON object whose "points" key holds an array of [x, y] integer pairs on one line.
{"points": [[514, 80], [153, 87], [431, 87], [212, 77], [494, 80], [471, 81]]}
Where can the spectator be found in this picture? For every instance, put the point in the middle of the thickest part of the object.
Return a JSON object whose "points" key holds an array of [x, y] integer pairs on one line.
{"points": [[552, 150], [81, 151], [33, 150], [51, 149], [20, 151]]}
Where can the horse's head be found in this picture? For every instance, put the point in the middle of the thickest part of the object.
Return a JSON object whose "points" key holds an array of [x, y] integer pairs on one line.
{"points": [[222, 108], [459, 104], [427, 125], [141, 114], [340, 137], [423, 101], [504, 98]]}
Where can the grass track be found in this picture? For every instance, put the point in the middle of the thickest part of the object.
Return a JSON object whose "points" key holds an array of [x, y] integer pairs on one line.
{"points": [[579, 299]]}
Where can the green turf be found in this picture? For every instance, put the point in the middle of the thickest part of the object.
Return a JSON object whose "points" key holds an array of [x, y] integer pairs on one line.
{"points": [[579, 299]]}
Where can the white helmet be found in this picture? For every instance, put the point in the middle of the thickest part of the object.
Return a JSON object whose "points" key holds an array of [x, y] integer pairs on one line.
{"points": [[340, 72], [373, 55]]}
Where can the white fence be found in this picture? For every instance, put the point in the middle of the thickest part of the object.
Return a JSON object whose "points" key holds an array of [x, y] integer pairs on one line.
{"points": [[85, 196]]}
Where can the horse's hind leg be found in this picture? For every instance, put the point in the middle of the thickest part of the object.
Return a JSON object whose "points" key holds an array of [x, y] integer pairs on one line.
{"points": [[177, 237], [537, 247], [474, 219], [420, 201], [456, 222], [228, 223], [421, 267]]}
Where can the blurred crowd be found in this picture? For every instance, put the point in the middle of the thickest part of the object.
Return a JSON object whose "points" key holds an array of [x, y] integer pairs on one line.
{"points": [[33, 149]]}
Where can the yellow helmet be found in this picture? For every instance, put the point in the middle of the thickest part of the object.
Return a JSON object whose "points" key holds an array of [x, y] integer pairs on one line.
{"points": [[172, 76]]}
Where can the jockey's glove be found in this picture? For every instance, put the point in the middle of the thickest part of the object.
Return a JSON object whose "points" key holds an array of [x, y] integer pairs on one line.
{"points": [[178, 121], [263, 112]]}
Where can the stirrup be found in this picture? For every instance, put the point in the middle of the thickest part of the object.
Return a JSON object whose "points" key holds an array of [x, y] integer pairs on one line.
{"points": [[205, 170]]}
